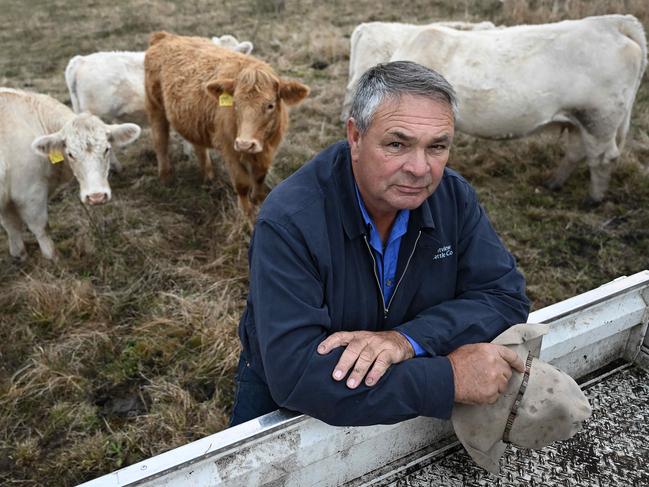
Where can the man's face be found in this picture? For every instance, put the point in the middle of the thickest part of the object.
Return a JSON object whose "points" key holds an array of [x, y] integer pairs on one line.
{"points": [[400, 160]]}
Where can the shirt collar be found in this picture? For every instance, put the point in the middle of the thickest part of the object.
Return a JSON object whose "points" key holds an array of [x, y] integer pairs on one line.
{"points": [[398, 228]]}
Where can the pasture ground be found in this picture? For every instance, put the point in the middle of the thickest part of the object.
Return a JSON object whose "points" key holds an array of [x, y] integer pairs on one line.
{"points": [[127, 346]]}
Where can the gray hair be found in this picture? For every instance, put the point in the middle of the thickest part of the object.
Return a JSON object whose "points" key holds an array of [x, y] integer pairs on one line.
{"points": [[389, 81]]}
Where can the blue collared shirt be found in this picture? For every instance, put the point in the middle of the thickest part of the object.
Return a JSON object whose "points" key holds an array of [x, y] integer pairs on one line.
{"points": [[386, 257]]}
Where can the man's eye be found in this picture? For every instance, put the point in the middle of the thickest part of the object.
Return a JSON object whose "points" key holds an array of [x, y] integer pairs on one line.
{"points": [[395, 145], [437, 147]]}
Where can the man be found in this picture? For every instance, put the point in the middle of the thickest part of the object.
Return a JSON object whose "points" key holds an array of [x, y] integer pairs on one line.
{"points": [[375, 275]]}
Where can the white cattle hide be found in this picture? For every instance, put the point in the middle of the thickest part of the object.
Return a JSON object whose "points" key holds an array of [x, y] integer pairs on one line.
{"points": [[581, 75], [43, 144], [374, 42], [231, 42]]}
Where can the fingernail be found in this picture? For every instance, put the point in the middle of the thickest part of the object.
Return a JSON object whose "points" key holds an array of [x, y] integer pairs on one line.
{"points": [[338, 374], [369, 381], [351, 383], [321, 349]]}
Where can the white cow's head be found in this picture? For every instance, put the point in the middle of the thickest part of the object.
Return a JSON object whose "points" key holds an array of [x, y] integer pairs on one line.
{"points": [[231, 42], [85, 144]]}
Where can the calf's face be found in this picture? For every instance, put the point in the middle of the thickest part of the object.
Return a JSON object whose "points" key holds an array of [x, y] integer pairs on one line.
{"points": [[85, 144], [257, 99]]}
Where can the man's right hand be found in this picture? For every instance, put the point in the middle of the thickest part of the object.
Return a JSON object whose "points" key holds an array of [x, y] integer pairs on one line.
{"points": [[481, 371]]}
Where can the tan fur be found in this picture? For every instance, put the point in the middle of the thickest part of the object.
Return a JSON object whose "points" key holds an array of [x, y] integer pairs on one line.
{"points": [[184, 77]]}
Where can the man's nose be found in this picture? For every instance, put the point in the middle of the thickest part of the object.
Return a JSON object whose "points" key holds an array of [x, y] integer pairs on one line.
{"points": [[417, 164]]}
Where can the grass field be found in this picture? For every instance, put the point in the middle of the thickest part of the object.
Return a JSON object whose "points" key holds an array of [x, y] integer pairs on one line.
{"points": [[127, 346]]}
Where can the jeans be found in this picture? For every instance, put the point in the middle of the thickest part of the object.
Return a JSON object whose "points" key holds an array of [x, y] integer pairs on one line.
{"points": [[252, 397]]}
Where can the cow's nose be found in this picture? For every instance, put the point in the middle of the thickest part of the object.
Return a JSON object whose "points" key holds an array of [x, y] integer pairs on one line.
{"points": [[97, 198], [249, 146]]}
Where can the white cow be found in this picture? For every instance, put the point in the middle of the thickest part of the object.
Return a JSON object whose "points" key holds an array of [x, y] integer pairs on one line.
{"points": [[108, 84], [581, 75], [43, 144], [372, 43], [111, 84]]}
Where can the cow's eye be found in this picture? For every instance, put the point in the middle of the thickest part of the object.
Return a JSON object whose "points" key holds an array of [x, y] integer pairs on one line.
{"points": [[107, 149], [70, 155], [270, 106]]}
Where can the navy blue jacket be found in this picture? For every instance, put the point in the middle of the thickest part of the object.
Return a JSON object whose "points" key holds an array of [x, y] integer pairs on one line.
{"points": [[312, 274]]}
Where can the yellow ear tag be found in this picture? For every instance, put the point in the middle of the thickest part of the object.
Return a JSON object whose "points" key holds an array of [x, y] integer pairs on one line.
{"points": [[55, 156], [225, 100]]}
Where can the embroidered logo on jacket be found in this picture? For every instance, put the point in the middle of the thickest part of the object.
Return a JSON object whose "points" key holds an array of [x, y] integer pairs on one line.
{"points": [[443, 252]]}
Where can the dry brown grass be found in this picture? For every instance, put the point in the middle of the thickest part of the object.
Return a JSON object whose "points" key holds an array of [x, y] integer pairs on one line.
{"points": [[127, 347]]}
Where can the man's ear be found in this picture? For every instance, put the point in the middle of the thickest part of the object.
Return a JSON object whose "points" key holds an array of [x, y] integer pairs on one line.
{"points": [[220, 86], [353, 138], [47, 144], [123, 134], [292, 92]]}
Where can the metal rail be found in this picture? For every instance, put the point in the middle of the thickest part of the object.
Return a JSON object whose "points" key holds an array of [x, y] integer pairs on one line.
{"points": [[281, 448]]}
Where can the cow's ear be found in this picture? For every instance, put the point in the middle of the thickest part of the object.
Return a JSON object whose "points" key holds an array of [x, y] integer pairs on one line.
{"points": [[49, 144], [244, 47], [292, 92], [123, 134], [219, 86]]}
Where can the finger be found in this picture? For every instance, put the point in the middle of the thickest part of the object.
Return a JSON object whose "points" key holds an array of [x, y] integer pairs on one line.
{"points": [[363, 363], [381, 364], [507, 374], [502, 385], [347, 360], [335, 340], [493, 399], [512, 359]]}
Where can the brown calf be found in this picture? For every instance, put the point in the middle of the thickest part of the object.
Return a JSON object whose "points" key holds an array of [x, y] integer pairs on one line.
{"points": [[215, 97]]}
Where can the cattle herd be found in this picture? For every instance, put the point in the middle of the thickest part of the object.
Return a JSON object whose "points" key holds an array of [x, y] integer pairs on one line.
{"points": [[580, 76]]}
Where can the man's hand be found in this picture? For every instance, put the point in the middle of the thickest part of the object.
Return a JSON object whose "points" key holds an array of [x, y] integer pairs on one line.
{"points": [[481, 372], [364, 348]]}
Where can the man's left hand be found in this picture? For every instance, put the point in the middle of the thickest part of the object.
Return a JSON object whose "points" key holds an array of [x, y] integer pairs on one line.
{"points": [[365, 349]]}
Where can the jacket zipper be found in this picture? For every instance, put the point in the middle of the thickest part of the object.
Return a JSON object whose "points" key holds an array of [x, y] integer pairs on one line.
{"points": [[386, 309], [376, 276]]}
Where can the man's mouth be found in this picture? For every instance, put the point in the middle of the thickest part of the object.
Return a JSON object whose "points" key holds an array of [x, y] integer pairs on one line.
{"points": [[410, 189]]}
